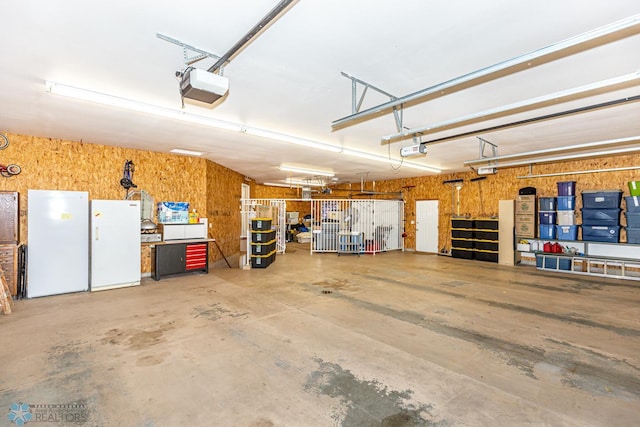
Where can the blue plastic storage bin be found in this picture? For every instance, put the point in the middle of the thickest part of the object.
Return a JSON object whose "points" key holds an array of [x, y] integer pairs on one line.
{"points": [[601, 199], [567, 188], [601, 233], [566, 203], [547, 203], [601, 216], [633, 235], [547, 217], [567, 232], [547, 231], [633, 219], [553, 262], [633, 203]]}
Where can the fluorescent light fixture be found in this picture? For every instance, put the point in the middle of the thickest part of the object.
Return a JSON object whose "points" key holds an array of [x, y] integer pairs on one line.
{"points": [[306, 171], [291, 139], [278, 184], [141, 107], [187, 152], [392, 161], [305, 183]]}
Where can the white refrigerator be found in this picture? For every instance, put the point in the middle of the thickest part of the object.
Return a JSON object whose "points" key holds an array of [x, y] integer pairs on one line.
{"points": [[115, 244], [57, 242]]}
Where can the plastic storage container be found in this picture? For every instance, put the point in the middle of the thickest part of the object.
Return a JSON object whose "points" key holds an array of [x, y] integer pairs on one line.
{"points": [[487, 256], [485, 224], [633, 219], [566, 203], [261, 224], [463, 253], [547, 231], [462, 243], [547, 217], [461, 223], [567, 232], [633, 235], [547, 203], [634, 188], [601, 233], [601, 216], [633, 203], [462, 234], [553, 262], [262, 236], [566, 217], [567, 188], [601, 199]]}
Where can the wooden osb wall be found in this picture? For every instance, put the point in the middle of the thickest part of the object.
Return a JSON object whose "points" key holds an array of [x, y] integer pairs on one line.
{"points": [[481, 198], [224, 189], [270, 192], [53, 164]]}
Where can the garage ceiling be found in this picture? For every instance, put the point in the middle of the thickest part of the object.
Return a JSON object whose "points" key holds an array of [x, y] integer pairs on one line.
{"points": [[288, 80]]}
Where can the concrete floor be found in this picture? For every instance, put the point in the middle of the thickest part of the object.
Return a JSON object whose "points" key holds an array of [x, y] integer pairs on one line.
{"points": [[395, 339]]}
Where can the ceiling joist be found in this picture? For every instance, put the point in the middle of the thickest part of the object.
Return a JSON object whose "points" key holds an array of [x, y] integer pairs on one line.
{"points": [[599, 36]]}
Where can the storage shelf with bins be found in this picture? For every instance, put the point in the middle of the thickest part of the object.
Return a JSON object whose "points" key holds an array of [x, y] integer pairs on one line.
{"points": [[614, 260], [475, 238]]}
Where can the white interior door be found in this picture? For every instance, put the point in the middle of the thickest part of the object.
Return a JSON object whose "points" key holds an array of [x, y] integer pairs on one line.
{"points": [[427, 226]]}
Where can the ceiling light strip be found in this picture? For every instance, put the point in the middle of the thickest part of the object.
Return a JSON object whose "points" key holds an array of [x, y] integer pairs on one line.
{"points": [[305, 183], [141, 107], [520, 107], [278, 184], [392, 161], [307, 171], [501, 69], [263, 133]]}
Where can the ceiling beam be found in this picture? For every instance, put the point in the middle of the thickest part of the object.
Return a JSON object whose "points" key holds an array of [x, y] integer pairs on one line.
{"points": [[555, 98], [596, 37]]}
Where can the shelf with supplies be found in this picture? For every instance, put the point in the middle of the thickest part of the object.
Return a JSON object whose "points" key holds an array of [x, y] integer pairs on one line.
{"points": [[614, 260]]}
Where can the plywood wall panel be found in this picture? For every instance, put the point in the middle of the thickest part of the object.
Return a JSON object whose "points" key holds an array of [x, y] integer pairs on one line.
{"points": [[224, 189], [53, 164], [215, 190]]}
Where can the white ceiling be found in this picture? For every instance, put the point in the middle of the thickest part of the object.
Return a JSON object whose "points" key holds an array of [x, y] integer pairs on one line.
{"points": [[288, 79]]}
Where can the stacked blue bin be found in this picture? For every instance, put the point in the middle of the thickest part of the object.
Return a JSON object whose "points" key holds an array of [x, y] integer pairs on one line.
{"points": [[566, 228], [601, 216], [547, 217], [633, 213]]}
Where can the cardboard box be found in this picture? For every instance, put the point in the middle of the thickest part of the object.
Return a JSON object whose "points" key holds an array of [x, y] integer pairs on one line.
{"points": [[525, 206], [526, 198], [525, 225], [264, 211]]}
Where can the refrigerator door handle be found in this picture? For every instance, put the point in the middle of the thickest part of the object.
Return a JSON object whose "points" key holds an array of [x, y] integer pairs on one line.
{"points": [[97, 233]]}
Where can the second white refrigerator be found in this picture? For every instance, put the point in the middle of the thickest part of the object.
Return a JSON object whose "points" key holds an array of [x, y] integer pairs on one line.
{"points": [[115, 244]]}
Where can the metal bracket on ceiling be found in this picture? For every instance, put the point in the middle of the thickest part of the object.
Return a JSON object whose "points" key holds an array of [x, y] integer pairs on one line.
{"points": [[356, 103], [186, 48], [483, 144]]}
